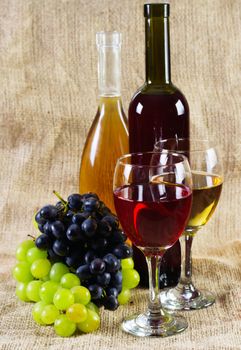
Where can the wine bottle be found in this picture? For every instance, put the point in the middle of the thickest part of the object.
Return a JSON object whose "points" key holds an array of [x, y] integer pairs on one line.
{"points": [[107, 139], [158, 110]]}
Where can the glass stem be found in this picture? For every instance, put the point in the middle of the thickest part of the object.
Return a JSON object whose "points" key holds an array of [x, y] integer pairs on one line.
{"points": [[154, 306], [186, 249]]}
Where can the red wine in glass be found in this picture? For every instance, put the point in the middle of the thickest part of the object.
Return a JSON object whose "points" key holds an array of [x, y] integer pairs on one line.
{"points": [[153, 215], [153, 196]]}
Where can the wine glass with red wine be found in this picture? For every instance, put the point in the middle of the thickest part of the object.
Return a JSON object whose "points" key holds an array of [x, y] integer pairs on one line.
{"points": [[153, 196], [207, 185]]}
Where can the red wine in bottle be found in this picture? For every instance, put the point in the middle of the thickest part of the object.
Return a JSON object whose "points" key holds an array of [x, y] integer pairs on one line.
{"points": [[158, 110]]}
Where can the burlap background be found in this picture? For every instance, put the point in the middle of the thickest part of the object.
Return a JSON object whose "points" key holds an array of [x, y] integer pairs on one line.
{"points": [[47, 102]]}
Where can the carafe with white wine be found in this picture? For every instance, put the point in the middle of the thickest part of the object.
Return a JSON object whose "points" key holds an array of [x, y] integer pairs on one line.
{"points": [[107, 139]]}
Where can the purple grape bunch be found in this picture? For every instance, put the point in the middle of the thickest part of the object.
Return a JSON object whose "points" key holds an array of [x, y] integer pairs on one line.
{"points": [[83, 233]]}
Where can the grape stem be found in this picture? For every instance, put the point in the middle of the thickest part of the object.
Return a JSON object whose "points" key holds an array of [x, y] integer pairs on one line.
{"points": [[34, 238], [60, 198]]}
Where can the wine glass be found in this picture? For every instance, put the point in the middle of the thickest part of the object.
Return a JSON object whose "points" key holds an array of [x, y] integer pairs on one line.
{"points": [[152, 197], [207, 185]]}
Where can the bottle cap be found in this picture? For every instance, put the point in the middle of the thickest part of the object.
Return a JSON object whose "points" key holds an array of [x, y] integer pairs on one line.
{"points": [[108, 38], [157, 9]]}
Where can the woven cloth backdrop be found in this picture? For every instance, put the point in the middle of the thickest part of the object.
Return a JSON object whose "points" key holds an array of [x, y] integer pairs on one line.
{"points": [[47, 103]]}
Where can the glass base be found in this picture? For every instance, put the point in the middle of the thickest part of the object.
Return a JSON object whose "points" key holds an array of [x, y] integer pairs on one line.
{"points": [[145, 326], [186, 298]]}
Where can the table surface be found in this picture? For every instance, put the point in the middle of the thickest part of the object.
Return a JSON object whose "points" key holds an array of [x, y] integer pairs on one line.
{"points": [[48, 74]]}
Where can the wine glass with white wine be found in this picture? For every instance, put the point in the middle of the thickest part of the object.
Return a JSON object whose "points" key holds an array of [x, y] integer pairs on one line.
{"points": [[207, 178]]}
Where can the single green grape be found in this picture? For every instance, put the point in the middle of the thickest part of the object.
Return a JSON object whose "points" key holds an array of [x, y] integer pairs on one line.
{"points": [[77, 313], [22, 249], [49, 314], [40, 268], [124, 296], [35, 224], [127, 263], [130, 278], [64, 327], [93, 307], [37, 312], [69, 280], [36, 254], [47, 291], [57, 271], [81, 295], [63, 299], [45, 278], [21, 291], [91, 323], [32, 290], [22, 273]]}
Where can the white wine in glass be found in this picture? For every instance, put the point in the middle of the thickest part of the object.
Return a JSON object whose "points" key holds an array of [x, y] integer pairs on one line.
{"points": [[207, 178]]}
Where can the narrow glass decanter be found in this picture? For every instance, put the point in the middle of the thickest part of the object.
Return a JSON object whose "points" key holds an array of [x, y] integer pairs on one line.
{"points": [[107, 139]]}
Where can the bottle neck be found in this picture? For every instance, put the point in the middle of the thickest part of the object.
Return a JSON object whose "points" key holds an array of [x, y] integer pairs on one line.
{"points": [[109, 70], [158, 65]]}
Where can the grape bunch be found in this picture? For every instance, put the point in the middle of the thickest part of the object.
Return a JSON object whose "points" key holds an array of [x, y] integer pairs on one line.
{"points": [[59, 298], [78, 263]]}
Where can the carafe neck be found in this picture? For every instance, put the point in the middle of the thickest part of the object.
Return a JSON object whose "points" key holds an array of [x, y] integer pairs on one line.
{"points": [[109, 63], [110, 102]]}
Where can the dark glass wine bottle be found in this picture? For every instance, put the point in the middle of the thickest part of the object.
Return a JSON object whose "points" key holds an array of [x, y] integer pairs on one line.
{"points": [[158, 110]]}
